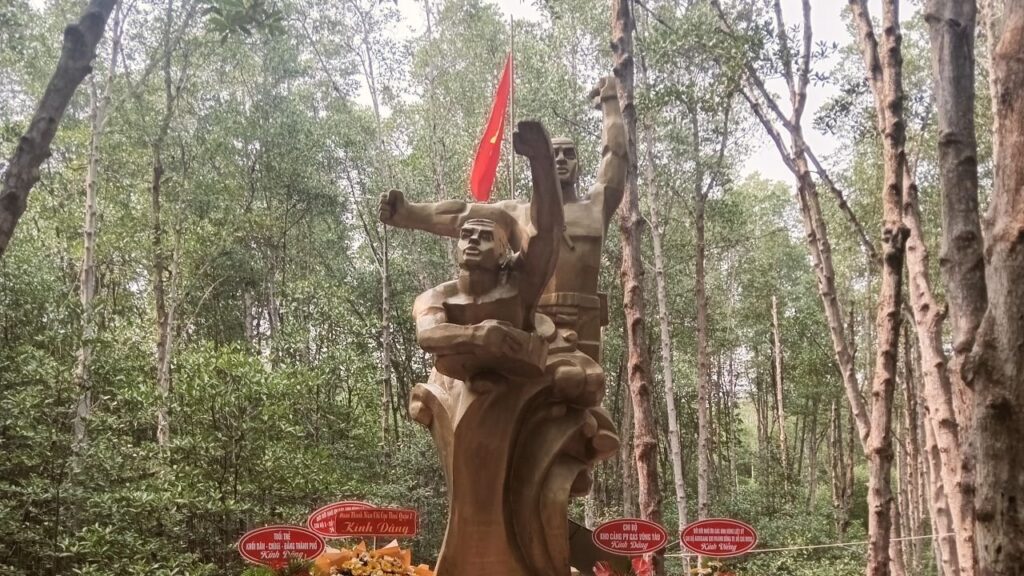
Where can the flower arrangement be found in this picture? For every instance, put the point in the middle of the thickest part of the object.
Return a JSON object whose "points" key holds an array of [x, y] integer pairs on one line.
{"points": [[642, 566], [390, 560]]}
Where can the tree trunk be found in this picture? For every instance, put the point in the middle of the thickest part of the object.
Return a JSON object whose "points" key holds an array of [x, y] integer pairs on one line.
{"points": [[74, 64], [161, 273], [627, 470], [897, 567], [732, 437], [781, 412], [676, 453], [762, 428], [99, 108], [703, 369], [841, 461], [812, 460], [884, 72], [996, 365], [912, 468], [951, 27], [938, 506], [82, 377], [163, 317], [631, 228], [990, 12]]}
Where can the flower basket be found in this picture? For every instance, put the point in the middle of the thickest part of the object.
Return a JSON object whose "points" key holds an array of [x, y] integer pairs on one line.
{"points": [[390, 560]]}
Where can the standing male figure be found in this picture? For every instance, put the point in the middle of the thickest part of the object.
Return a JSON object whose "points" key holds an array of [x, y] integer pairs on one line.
{"points": [[570, 298]]}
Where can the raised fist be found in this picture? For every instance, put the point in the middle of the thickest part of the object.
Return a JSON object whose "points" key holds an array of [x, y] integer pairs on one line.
{"points": [[392, 203], [531, 140], [607, 88]]}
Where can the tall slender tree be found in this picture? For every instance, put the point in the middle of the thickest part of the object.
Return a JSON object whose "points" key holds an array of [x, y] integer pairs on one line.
{"points": [[99, 110], [631, 226]]}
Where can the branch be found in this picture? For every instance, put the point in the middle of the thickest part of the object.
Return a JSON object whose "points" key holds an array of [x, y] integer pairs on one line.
{"points": [[784, 49], [868, 45], [755, 107], [75, 63], [869, 246], [805, 64]]}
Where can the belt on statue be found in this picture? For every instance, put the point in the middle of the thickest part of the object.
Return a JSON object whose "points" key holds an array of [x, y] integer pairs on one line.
{"points": [[577, 300]]}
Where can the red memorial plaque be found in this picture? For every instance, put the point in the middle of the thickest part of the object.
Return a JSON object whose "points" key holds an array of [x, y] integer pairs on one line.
{"points": [[630, 536], [322, 519], [274, 545], [719, 537], [384, 522]]}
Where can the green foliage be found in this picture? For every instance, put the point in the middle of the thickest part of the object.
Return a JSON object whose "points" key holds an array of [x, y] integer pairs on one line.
{"points": [[226, 17], [289, 119]]}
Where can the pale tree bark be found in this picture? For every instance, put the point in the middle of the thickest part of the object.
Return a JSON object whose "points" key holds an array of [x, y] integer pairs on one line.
{"points": [[912, 459], [163, 271], [995, 366], [631, 227], [991, 14], [938, 507], [897, 565], [985, 303], [931, 487], [841, 460], [940, 402], [74, 64], [99, 108], [368, 64], [795, 157], [702, 186], [703, 368], [884, 66], [675, 449], [760, 414], [626, 467], [951, 28], [779, 396], [812, 460]]}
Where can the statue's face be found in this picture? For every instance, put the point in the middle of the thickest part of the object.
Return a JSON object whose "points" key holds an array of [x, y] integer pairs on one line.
{"points": [[565, 160], [482, 245]]}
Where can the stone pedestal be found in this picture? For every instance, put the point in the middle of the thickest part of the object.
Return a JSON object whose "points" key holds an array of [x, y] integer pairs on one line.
{"points": [[514, 451]]}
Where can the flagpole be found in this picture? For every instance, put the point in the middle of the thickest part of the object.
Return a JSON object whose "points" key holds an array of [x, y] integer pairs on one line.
{"points": [[512, 107]]}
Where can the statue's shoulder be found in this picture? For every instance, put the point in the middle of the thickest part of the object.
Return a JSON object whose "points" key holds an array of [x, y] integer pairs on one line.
{"points": [[434, 297], [593, 199], [513, 206]]}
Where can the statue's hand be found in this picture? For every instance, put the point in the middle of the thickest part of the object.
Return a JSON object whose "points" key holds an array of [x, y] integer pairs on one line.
{"points": [[607, 89], [501, 338], [531, 140], [392, 204]]}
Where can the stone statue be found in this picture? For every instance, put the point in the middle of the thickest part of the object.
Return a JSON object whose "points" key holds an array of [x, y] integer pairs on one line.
{"points": [[486, 318], [513, 402], [570, 298]]}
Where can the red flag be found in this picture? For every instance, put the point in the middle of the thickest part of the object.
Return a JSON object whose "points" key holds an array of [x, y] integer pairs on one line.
{"points": [[485, 164]]}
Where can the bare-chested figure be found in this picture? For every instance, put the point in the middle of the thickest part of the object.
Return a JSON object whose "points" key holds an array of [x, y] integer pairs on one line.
{"points": [[485, 318], [570, 298]]}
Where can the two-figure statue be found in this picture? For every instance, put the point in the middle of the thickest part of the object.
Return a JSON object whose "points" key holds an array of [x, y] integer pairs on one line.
{"points": [[513, 402]]}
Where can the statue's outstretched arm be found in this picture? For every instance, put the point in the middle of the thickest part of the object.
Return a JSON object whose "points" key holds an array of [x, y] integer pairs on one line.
{"points": [[539, 253], [611, 174], [443, 218]]}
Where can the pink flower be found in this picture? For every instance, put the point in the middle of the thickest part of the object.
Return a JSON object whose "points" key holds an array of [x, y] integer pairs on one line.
{"points": [[642, 565]]}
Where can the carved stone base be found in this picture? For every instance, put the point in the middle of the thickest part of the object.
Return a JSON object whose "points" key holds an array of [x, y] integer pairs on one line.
{"points": [[514, 450]]}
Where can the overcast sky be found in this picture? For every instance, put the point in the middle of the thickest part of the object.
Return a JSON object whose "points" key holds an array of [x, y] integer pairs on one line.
{"points": [[827, 24], [826, 21]]}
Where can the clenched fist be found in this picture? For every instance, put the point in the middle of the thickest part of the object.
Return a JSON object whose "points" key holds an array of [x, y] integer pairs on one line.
{"points": [[392, 203], [607, 88]]}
